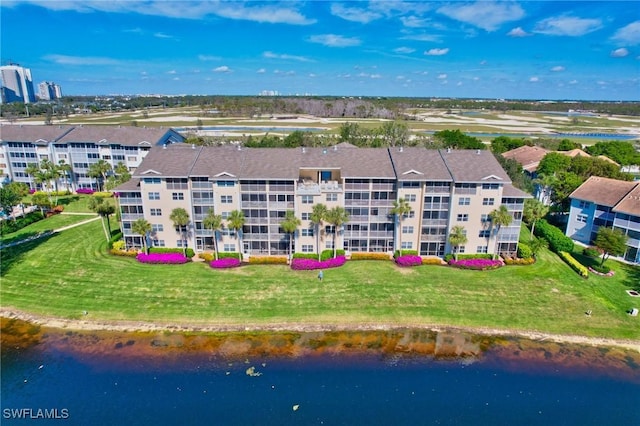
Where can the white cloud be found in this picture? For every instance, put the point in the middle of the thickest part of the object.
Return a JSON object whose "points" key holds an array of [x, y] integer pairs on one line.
{"points": [[567, 26], [405, 50], [437, 52], [172, 72], [422, 37], [518, 32], [271, 55], [534, 79], [222, 68], [619, 53], [333, 40], [442, 76], [629, 34], [487, 15], [573, 82], [208, 58], [375, 76], [413, 21], [176, 78], [354, 14], [162, 35], [312, 75], [81, 60], [557, 68], [261, 71]]}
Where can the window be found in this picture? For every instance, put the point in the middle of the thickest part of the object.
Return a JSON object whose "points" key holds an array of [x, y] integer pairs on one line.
{"points": [[157, 228], [582, 218], [131, 158], [307, 199], [464, 201], [229, 247], [485, 233], [154, 195], [462, 217], [225, 215], [329, 244], [484, 218], [177, 196], [583, 204], [181, 243], [226, 183], [482, 249], [156, 212], [307, 233], [306, 216], [407, 245], [226, 199], [307, 248], [154, 181], [488, 201], [461, 249], [490, 186], [410, 197], [411, 214], [158, 243], [407, 229], [106, 157], [332, 197], [329, 229]]}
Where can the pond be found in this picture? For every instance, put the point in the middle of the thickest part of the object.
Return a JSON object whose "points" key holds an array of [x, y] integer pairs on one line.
{"points": [[398, 377]]}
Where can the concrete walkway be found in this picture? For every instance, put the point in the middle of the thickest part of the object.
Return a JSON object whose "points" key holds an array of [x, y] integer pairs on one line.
{"points": [[47, 233]]}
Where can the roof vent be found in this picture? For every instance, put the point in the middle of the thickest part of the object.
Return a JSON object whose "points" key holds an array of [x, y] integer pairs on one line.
{"points": [[164, 146], [478, 152], [324, 150], [193, 146], [304, 150], [448, 150], [239, 147], [335, 147], [400, 149]]}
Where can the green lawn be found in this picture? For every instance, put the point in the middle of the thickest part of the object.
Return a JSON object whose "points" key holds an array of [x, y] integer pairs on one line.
{"points": [[70, 272], [54, 222]]}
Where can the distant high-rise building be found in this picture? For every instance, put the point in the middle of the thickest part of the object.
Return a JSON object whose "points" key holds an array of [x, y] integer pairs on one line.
{"points": [[17, 84], [48, 91]]}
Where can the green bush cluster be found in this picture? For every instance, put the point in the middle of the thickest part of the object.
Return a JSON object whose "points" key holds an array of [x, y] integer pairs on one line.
{"points": [[229, 255], [369, 256], [524, 251], [103, 194], [328, 254], [575, 265], [305, 256], [519, 261], [190, 252], [448, 257], [557, 240], [208, 257], [432, 261], [9, 225], [591, 252], [399, 253], [126, 253], [602, 269], [116, 238], [268, 260]]}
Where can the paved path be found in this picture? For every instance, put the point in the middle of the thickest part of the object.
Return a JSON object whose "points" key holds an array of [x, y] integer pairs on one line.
{"points": [[47, 233]]}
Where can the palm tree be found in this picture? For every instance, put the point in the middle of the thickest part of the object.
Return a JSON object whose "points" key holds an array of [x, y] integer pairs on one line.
{"points": [[534, 210], [290, 225], [99, 171], [337, 217], [180, 219], [142, 227], [66, 171], [213, 222], [235, 221], [401, 208], [96, 204], [38, 176], [499, 218], [457, 237], [318, 215]]}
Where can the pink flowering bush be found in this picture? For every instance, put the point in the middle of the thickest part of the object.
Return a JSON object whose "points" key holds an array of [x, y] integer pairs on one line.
{"points": [[477, 264], [87, 191], [409, 260], [162, 258], [229, 262], [310, 264]]}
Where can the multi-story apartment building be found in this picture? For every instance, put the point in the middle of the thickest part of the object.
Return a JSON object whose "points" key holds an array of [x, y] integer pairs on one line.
{"points": [[444, 189], [606, 202], [78, 146], [16, 84], [48, 91]]}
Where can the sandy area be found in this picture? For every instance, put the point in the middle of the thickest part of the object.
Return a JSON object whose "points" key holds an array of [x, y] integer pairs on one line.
{"points": [[89, 324]]}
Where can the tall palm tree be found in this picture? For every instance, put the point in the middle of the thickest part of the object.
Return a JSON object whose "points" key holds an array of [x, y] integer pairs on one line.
{"points": [[38, 176], [142, 227], [213, 222], [318, 215], [96, 204], [290, 225], [401, 208], [457, 237], [99, 171], [180, 219], [337, 217], [534, 210], [66, 171], [235, 221], [499, 217]]}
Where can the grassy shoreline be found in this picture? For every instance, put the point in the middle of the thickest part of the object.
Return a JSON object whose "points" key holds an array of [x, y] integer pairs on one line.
{"points": [[65, 274]]}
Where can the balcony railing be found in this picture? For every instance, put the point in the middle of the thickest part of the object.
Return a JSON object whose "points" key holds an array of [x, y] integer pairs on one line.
{"points": [[130, 201], [132, 216]]}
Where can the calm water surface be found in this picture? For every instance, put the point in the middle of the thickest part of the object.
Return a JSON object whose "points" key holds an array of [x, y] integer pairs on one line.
{"points": [[388, 378]]}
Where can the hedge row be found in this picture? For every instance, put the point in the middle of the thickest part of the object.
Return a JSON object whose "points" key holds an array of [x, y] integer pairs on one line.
{"points": [[432, 261], [8, 226], [450, 256], [268, 260], [557, 240], [524, 251], [519, 261], [575, 265], [160, 250], [369, 256], [399, 253]]}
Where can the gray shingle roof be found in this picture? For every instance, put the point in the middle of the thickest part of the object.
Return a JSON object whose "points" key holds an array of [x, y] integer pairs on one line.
{"points": [[630, 204], [176, 160], [419, 164], [127, 135], [604, 191], [513, 192], [478, 166], [32, 133]]}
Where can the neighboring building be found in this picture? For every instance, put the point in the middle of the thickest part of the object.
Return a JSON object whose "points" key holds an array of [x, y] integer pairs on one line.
{"points": [[444, 188], [48, 91], [79, 146], [606, 202], [528, 157], [17, 85]]}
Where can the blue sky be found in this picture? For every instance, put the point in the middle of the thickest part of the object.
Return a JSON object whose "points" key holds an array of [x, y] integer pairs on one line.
{"points": [[585, 50]]}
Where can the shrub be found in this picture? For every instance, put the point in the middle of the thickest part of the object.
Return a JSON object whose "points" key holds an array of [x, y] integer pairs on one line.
{"points": [[162, 258], [127, 253], [524, 251], [369, 256], [228, 255], [225, 263], [601, 269], [268, 260], [310, 264], [118, 245], [450, 256], [575, 265], [409, 260], [328, 254], [103, 194], [398, 253], [208, 257], [87, 191], [519, 261], [591, 252], [557, 240], [305, 256], [432, 261], [476, 264], [162, 250], [9, 225], [117, 237]]}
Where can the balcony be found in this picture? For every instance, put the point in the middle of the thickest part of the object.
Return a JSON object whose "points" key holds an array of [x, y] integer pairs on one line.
{"points": [[309, 187], [130, 201]]}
